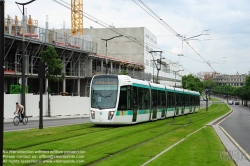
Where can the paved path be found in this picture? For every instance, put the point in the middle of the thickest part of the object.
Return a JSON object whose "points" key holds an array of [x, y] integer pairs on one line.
{"points": [[47, 122]]}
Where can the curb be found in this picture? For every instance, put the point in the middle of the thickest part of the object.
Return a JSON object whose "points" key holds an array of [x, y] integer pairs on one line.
{"points": [[33, 120], [219, 119], [231, 148]]}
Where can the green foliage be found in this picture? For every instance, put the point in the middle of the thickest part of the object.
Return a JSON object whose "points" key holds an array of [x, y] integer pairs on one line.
{"points": [[192, 83], [123, 72], [209, 84], [48, 89], [225, 90], [247, 82], [241, 92], [54, 65]]}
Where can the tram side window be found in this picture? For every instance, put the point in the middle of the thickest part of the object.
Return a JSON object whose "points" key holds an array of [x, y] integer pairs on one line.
{"points": [[193, 102], [140, 98], [188, 100], [181, 99], [145, 99], [163, 98], [124, 100], [159, 99], [170, 99], [154, 98], [178, 98], [185, 102], [184, 98]]}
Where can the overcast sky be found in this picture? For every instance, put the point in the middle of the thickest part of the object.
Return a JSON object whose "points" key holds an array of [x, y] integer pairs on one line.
{"points": [[226, 48]]}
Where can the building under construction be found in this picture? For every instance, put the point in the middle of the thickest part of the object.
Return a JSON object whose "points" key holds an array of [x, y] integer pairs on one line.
{"points": [[79, 56]]}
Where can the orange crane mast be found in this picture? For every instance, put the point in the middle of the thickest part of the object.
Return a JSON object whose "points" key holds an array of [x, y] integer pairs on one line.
{"points": [[76, 17]]}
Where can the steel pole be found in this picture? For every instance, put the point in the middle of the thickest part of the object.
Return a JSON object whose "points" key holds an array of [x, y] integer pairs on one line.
{"points": [[175, 79], [206, 102], [23, 66], [41, 104], [2, 53], [23, 57], [106, 57], [153, 71]]}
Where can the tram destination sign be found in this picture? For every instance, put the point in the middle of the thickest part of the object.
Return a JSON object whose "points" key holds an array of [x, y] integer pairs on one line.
{"points": [[98, 82]]}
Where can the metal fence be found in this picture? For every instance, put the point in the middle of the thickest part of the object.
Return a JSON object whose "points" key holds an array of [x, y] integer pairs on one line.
{"points": [[33, 33]]}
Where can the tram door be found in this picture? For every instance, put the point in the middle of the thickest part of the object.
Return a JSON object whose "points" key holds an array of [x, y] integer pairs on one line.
{"points": [[135, 103], [135, 113], [154, 103]]}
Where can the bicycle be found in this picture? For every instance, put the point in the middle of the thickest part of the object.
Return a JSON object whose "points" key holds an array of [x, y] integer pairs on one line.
{"points": [[17, 119]]}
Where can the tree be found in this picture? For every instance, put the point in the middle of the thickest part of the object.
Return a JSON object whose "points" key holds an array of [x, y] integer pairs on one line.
{"points": [[192, 83], [209, 84], [53, 69], [239, 92], [54, 65], [123, 72]]}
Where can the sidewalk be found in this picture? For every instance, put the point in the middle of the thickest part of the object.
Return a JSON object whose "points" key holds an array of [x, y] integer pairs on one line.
{"points": [[45, 118]]}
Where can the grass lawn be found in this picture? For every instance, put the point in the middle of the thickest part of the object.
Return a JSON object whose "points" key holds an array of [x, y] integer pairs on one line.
{"points": [[122, 145], [215, 99], [202, 148]]}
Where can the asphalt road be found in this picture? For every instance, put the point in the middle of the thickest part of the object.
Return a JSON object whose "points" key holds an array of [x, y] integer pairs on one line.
{"points": [[46, 123], [238, 126]]}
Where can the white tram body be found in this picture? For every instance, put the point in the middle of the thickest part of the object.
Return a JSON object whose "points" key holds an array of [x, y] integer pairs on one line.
{"points": [[120, 99]]}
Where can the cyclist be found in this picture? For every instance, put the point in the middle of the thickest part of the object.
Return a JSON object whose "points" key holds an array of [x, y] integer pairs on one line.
{"points": [[19, 110]]}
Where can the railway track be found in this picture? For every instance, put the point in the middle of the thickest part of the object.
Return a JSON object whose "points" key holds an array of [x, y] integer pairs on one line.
{"points": [[119, 133]]}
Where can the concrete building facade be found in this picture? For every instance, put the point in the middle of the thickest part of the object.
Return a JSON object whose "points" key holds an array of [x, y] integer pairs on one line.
{"points": [[236, 80], [134, 47]]}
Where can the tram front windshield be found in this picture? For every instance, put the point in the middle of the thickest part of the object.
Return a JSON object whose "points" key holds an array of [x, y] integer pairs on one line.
{"points": [[104, 92]]}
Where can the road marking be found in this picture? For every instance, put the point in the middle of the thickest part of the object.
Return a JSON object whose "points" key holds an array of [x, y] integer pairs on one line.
{"points": [[46, 127], [236, 144], [18, 130], [225, 117], [158, 155]]}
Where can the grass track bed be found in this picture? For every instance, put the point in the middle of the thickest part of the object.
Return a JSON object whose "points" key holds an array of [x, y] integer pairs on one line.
{"points": [[109, 151], [140, 155], [207, 154], [131, 145]]}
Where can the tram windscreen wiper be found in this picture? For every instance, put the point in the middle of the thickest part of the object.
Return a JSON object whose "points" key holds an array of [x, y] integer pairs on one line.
{"points": [[105, 96], [96, 100]]}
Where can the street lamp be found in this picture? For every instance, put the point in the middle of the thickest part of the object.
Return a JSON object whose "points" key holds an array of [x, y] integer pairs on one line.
{"points": [[106, 40], [23, 56], [2, 53], [175, 76]]}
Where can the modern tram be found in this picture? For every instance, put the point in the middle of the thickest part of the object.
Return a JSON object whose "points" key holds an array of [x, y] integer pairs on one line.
{"points": [[120, 99]]}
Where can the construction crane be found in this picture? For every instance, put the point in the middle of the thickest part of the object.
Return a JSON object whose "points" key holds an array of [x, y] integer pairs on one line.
{"points": [[76, 17], [76, 8]]}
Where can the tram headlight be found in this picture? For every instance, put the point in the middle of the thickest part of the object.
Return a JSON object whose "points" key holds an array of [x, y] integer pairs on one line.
{"points": [[93, 114], [111, 114]]}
